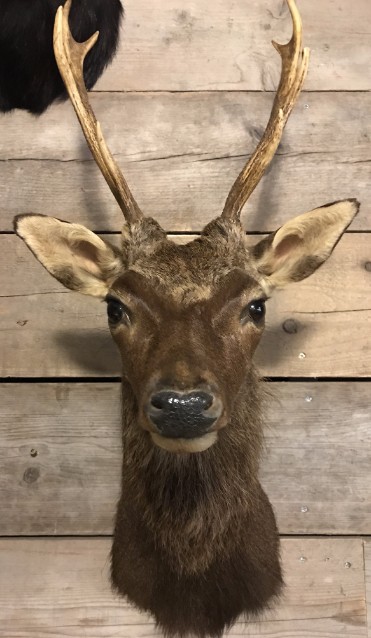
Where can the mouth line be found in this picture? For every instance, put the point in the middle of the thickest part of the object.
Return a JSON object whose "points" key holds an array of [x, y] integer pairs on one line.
{"points": [[169, 430], [207, 414], [181, 445]]}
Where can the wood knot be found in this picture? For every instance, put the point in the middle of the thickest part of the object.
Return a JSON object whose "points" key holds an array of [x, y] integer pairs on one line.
{"points": [[368, 266], [31, 475], [290, 326]]}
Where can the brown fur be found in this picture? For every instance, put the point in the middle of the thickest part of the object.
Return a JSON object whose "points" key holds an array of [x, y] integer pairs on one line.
{"points": [[195, 539], [195, 542]]}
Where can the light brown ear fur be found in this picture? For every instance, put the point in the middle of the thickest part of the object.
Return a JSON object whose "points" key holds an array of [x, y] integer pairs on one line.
{"points": [[299, 247], [74, 255]]}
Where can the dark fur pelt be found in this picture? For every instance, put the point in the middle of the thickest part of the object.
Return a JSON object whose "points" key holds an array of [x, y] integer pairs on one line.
{"points": [[196, 543], [29, 77]]}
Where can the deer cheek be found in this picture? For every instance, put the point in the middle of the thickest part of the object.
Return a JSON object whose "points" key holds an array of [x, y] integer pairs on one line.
{"points": [[132, 352], [253, 339], [231, 369], [239, 357]]}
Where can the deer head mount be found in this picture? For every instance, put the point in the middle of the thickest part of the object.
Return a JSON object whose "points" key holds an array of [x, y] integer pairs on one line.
{"points": [[187, 319], [195, 541]]}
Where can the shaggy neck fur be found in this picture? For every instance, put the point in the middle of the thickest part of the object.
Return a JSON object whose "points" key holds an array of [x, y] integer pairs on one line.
{"points": [[190, 502]]}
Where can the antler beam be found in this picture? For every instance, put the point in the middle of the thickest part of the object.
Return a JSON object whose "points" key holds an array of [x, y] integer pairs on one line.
{"points": [[295, 61], [70, 56]]}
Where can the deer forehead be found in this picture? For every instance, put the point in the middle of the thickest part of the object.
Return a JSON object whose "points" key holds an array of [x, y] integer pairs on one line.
{"points": [[186, 274]]}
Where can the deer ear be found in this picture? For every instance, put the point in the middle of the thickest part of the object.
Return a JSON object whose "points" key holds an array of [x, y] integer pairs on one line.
{"points": [[299, 247], [74, 255]]}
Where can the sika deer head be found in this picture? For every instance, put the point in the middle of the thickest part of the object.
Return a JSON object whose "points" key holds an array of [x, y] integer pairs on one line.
{"points": [[186, 318]]}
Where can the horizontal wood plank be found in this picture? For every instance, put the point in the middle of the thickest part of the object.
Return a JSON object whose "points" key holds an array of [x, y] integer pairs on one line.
{"points": [[227, 45], [55, 588], [319, 327], [60, 457], [181, 154]]}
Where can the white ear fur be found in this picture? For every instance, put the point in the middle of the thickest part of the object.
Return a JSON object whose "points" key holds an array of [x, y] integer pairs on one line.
{"points": [[299, 247], [74, 255]]}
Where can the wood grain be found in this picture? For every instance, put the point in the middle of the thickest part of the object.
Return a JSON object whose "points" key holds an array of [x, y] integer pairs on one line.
{"points": [[60, 457], [227, 45], [46, 330], [59, 588], [199, 82], [367, 553], [181, 154]]}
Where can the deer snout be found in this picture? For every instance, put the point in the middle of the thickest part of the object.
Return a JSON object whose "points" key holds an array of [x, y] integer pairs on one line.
{"points": [[185, 415]]}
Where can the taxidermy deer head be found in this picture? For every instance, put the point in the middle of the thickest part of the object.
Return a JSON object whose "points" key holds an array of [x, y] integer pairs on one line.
{"points": [[195, 541]]}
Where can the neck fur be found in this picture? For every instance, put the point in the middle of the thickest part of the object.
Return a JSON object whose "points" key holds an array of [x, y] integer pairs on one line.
{"points": [[190, 501]]}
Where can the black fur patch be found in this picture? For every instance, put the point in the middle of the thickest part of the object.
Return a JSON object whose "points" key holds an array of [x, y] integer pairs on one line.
{"points": [[29, 77]]}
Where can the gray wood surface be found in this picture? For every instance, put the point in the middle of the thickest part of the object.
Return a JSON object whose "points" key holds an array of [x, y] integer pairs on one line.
{"points": [[367, 550], [199, 81], [181, 154], [60, 457], [59, 588], [227, 45], [46, 330]]}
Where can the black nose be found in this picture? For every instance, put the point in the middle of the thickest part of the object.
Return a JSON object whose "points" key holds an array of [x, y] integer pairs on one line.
{"points": [[182, 415]]}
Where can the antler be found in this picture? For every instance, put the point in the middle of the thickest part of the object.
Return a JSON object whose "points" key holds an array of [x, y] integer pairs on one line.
{"points": [[70, 57], [295, 61]]}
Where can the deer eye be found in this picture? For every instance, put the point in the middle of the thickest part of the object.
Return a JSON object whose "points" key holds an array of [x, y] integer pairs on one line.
{"points": [[255, 311], [116, 311]]}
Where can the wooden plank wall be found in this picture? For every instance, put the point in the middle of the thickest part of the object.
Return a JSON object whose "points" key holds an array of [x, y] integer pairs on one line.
{"points": [[183, 105]]}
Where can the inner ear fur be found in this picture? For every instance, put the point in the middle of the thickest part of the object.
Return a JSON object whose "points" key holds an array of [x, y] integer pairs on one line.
{"points": [[299, 247], [74, 255]]}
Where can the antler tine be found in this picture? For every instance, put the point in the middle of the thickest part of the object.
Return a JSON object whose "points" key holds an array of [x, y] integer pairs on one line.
{"points": [[295, 61], [70, 56]]}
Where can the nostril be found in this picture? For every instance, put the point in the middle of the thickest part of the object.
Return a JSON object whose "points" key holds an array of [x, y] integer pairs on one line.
{"points": [[158, 401], [166, 400], [199, 402]]}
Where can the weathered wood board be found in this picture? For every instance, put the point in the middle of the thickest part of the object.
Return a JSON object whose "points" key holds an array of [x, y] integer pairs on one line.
{"points": [[55, 588], [60, 457], [46, 330], [199, 81], [367, 550], [181, 154], [227, 45]]}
